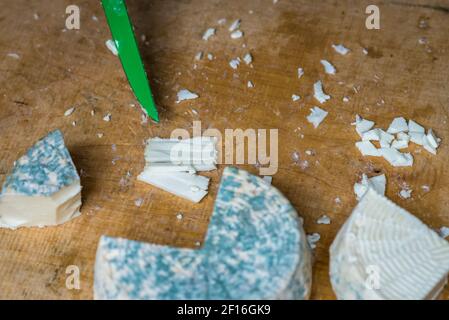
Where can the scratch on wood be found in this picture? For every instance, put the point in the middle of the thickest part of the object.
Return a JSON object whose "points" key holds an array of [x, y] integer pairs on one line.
{"points": [[424, 6]]}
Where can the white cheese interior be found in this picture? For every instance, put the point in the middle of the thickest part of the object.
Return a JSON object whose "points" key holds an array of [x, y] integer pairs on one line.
{"points": [[38, 211]]}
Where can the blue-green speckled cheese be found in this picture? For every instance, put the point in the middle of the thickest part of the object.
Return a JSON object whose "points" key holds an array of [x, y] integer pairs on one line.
{"points": [[255, 249], [45, 169]]}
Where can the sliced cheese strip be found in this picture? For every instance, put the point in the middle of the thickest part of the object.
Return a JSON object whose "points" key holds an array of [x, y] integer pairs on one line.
{"points": [[171, 165], [255, 248], [384, 252], [185, 185], [396, 158], [44, 187]]}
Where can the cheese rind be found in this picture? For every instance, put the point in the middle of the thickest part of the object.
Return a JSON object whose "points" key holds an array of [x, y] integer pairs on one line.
{"points": [[255, 248]]}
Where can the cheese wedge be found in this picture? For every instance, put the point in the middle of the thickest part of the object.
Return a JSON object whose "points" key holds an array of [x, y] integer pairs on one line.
{"points": [[44, 187], [384, 252], [255, 248]]}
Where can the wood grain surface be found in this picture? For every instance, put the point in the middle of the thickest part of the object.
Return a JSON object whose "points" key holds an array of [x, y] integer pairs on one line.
{"points": [[59, 68]]}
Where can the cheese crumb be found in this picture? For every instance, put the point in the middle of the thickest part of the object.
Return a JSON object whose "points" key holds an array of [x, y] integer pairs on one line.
{"points": [[185, 94], [324, 220], [234, 63], [110, 44], [235, 25], [13, 55], [316, 116], [138, 202], [248, 58], [313, 239], [295, 97], [199, 56], [209, 33], [405, 193], [328, 67], [68, 112], [378, 183], [398, 125], [319, 93], [250, 84], [341, 49], [300, 72], [107, 117], [236, 34], [444, 232]]}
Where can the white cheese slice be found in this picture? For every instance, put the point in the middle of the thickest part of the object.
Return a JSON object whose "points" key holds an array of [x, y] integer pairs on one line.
{"points": [[185, 185], [319, 93], [44, 187], [341, 49], [417, 137], [428, 146], [399, 144], [371, 135], [185, 94], [208, 33], [171, 164], [396, 158], [366, 148], [316, 116], [403, 136], [385, 139], [328, 67], [378, 183], [414, 127], [384, 252], [398, 125], [433, 140], [362, 125]]}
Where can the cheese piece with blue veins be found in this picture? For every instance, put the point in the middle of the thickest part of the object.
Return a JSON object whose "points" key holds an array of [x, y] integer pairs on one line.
{"points": [[255, 248], [43, 188], [383, 252]]}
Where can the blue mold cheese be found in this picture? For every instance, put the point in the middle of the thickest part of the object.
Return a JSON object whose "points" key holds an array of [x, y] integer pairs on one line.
{"points": [[383, 252], [43, 188], [255, 248]]}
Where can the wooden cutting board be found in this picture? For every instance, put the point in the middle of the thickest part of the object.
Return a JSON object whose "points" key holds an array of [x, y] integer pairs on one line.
{"points": [[59, 68]]}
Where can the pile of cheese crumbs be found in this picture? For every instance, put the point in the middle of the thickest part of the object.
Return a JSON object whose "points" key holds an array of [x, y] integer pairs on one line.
{"points": [[396, 138]]}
